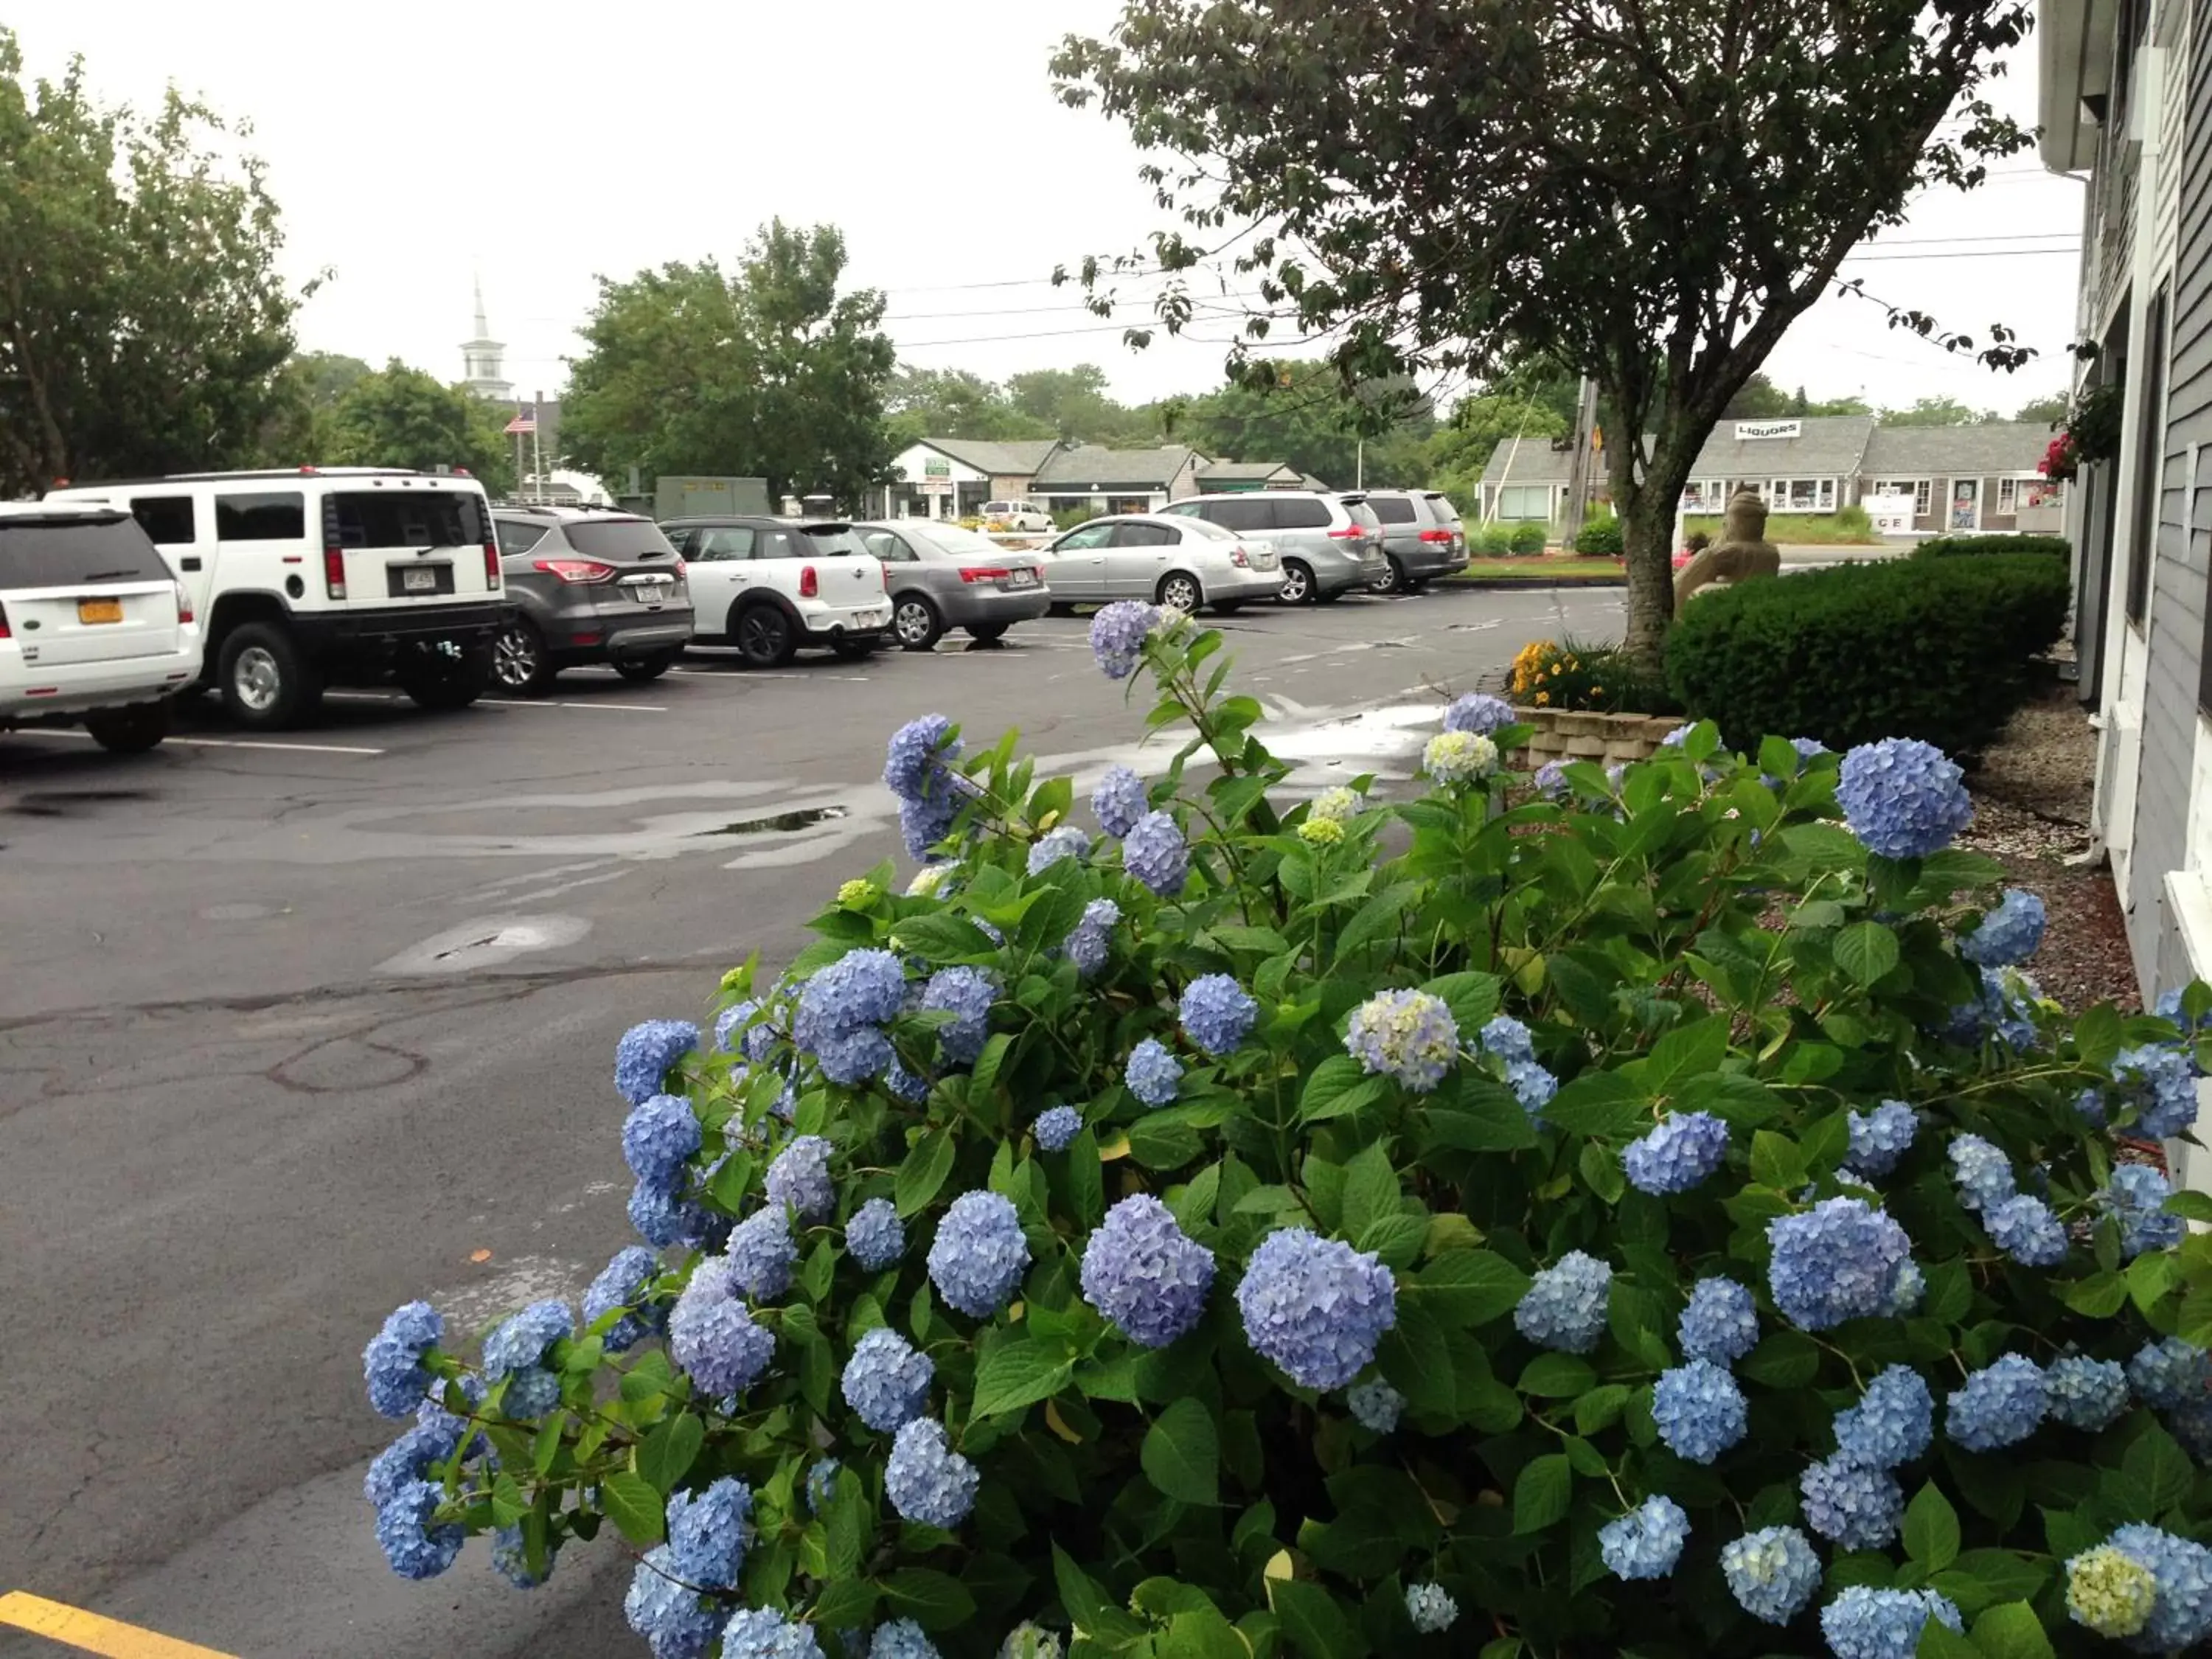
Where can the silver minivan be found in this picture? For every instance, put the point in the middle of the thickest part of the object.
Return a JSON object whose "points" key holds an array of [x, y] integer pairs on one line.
{"points": [[1329, 544], [1422, 538]]}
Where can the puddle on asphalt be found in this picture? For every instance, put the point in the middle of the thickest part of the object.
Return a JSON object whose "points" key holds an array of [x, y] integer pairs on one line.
{"points": [[486, 944], [56, 802], [779, 823], [1371, 734]]}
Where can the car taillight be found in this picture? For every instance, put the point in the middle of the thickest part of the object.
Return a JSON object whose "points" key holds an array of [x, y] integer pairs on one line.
{"points": [[810, 585], [184, 605], [1236, 557], [4, 633], [575, 570], [1351, 532], [491, 564], [1435, 535], [334, 571], [883, 577], [682, 570], [984, 573]]}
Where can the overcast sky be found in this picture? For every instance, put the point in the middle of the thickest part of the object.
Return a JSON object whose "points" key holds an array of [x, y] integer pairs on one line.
{"points": [[414, 145]]}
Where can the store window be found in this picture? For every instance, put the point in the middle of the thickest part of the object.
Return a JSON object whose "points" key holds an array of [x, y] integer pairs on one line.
{"points": [[1801, 495], [1524, 502]]}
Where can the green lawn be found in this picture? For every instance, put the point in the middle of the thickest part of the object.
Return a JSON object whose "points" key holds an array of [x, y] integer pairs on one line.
{"points": [[1800, 529], [1561, 569]]}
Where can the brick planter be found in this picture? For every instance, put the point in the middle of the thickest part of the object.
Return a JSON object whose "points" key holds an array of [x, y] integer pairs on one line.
{"points": [[1561, 734]]}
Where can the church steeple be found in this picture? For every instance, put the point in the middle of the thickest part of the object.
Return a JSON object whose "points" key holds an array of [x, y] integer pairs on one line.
{"points": [[482, 358]]}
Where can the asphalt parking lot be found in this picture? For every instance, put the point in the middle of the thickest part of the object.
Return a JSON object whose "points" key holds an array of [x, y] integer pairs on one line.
{"points": [[295, 1028]]}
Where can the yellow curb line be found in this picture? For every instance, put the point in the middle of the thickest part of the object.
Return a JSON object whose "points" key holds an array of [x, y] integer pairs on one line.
{"points": [[88, 1631]]}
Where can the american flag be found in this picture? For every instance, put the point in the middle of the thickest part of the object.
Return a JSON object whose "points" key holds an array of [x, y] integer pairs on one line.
{"points": [[524, 420]]}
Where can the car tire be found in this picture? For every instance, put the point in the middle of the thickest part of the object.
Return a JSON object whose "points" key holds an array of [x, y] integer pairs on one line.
{"points": [[519, 661], [915, 622], [1298, 583], [987, 633], [1179, 591], [639, 669], [853, 650], [1392, 580], [130, 731], [443, 684], [1416, 584], [267, 683], [764, 637]]}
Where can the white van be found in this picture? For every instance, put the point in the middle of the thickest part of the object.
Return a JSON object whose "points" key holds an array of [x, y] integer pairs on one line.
{"points": [[327, 575]]}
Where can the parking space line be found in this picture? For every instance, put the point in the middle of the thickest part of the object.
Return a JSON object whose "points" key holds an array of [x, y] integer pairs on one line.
{"points": [[224, 743], [541, 702], [90, 1633]]}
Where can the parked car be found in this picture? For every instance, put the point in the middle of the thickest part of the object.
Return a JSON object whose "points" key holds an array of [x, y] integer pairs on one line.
{"points": [[942, 576], [589, 586], [1023, 516], [1422, 538], [322, 575], [1329, 546], [1184, 562], [95, 629], [772, 586]]}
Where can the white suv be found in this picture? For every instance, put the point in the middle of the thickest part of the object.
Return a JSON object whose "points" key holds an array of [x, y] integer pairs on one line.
{"points": [[770, 587], [95, 629], [1020, 517], [328, 573]]}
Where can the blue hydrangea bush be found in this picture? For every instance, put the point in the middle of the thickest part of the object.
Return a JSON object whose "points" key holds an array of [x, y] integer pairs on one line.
{"points": [[1654, 1214]]}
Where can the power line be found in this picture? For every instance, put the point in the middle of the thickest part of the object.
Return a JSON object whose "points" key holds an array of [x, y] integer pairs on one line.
{"points": [[1987, 253]]}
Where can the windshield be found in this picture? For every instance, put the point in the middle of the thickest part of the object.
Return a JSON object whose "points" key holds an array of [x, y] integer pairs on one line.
{"points": [[619, 538], [57, 552], [951, 538]]}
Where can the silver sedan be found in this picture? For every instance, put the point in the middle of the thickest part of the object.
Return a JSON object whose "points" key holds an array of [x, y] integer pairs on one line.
{"points": [[1186, 563], [941, 576]]}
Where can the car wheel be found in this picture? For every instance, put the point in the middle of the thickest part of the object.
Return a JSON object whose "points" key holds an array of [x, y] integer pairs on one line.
{"points": [[520, 660], [130, 731], [855, 650], [915, 620], [641, 669], [1392, 580], [1298, 583], [987, 633], [764, 637], [1179, 592], [441, 681], [1414, 585], [266, 683]]}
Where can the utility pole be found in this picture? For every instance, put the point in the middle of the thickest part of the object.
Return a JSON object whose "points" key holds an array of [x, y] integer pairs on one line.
{"points": [[1579, 475], [1359, 478]]}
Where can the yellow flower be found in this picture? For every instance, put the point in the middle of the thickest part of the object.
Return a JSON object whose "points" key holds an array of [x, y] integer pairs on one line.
{"points": [[2111, 1593], [1555, 671], [852, 895], [1597, 690], [1542, 698], [1322, 832]]}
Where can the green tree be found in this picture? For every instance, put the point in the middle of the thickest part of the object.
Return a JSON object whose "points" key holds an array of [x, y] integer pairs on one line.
{"points": [[144, 327], [1840, 406], [1648, 196], [768, 372], [400, 417], [2046, 412], [1074, 403], [1759, 399], [1937, 411], [1304, 416], [953, 402]]}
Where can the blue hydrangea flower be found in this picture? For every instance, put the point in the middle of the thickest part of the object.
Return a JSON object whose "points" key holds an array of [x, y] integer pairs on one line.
{"points": [[727, 1033], [521, 1341], [1852, 1505], [1407, 1035], [1720, 1322], [1375, 1405], [413, 1540], [1315, 1307], [2161, 1085], [2085, 1393], [886, 1382], [1550, 781], [668, 1613], [1118, 633], [713, 1339], [1068, 842], [1700, 1410], [1893, 1422], [662, 1219], [707, 1532], [926, 822], [764, 1633], [1838, 1261], [1119, 800], [1999, 1405], [1217, 1014], [1091, 939], [874, 1236], [1983, 1172], [1906, 1287], [917, 751], [1429, 1609], [1865, 1623], [510, 1559], [1153, 1074], [1056, 1127], [2090, 1104], [1880, 1138], [926, 1482], [902, 1639], [391, 1364], [761, 1254], [1903, 798], [1144, 1275], [1647, 1541], [967, 995], [2168, 1006], [645, 1054], [1154, 852], [1772, 1573], [2004, 1014], [860, 989], [425, 1447], [2136, 1194], [979, 1254], [1679, 736], [621, 1284], [2181, 1612], [1532, 1085], [1676, 1154], [530, 1393], [2028, 1230], [822, 1485], [1565, 1307], [853, 1057], [1507, 1038], [907, 1085], [2170, 1372], [2008, 934], [1480, 713], [800, 1178], [659, 1134]]}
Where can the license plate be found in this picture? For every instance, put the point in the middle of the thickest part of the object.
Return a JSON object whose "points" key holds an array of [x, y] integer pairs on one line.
{"points": [[654, 593], [420, 581], [1022, 578], [871, 618], [99, 611]]}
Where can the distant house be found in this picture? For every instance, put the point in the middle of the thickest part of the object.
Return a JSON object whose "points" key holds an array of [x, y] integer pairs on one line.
{"points": [[1967, 478], [952, 478], [1527, 479], [1219, 477], [1116, 480]]}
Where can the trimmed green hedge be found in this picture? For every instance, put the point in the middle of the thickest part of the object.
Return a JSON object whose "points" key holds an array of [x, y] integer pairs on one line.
{"points": [[1946, 547], [1600, 537], [1941, 650], [1527, 538]]}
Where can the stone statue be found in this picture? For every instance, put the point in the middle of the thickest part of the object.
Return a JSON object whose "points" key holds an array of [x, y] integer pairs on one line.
{"points": [[1741, 553]]}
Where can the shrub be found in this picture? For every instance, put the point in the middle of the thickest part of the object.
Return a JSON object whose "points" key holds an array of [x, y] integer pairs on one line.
{"points": [[1602, 678], [1854, 520], [1940, 651], [1529, 536], [1068, 517], [1949, 547], [1600, 537], [1529, 1202], [1494, 539]]}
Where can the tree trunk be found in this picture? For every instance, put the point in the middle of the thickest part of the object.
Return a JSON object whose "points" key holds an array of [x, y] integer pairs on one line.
{"points": [[1647, 531]]}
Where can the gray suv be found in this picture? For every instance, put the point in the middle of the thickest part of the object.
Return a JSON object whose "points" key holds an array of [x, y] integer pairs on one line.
{"points": [[590, 586], [1422, 538], [1329, 546]]}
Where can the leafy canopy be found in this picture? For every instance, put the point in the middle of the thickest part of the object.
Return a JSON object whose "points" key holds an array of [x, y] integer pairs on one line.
{"points": [[401, 417]]}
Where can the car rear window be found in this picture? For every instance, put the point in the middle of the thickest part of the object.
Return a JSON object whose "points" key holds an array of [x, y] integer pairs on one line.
{"points": [[830, 540], [1392, 509], [39, 552], [1235, 514], [1441, 505], [1301, 513], [619, 538], [362, 518], [1363, 514]]}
